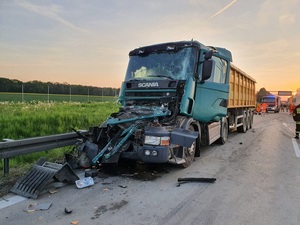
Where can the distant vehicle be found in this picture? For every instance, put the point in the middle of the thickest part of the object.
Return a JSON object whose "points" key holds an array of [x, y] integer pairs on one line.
{"points": [[274, 103], [296, 99]]}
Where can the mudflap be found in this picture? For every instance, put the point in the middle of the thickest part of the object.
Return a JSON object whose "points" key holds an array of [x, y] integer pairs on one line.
{"points": [[32, 183]]}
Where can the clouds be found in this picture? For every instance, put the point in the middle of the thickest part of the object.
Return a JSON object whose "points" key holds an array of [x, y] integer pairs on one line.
{"points": [[223, 9], [64, 41], [51, 11]]}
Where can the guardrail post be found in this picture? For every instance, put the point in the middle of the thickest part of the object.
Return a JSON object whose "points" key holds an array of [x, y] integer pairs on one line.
{"points": [[6, 166]]}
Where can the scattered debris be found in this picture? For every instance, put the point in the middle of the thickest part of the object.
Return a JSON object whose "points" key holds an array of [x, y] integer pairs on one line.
{"points": [[195, 179], [36, 207], [53, 191], [5, 199], [122, 186], [68, 211], [106, 189], [75, 222], [32, 183], [85, 182], [129, 175], [91, 173]]}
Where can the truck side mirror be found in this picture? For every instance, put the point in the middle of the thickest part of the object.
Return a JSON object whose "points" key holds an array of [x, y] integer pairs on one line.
{"points": [[206, 70]]}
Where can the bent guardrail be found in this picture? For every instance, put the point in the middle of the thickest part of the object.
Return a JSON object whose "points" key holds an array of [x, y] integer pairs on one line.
{"points": [[11, 148]]}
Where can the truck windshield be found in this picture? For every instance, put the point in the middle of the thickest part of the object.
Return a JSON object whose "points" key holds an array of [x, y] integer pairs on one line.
{"points": [[177, 65]]}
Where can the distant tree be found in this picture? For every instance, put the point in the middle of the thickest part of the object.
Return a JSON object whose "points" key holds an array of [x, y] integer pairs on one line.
{"points": [[8, 85], [262, 92]]}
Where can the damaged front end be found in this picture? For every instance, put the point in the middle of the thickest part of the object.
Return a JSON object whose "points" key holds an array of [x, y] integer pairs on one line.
{"points": [[155, 121], [135, 133]]}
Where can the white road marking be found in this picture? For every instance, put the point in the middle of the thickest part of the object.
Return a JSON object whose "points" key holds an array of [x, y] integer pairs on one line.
{"points": [[12, 200], [296, 147], [288, 127]]}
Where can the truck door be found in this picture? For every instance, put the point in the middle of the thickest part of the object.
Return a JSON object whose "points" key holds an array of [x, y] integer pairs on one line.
{"points": [[211, 97]]}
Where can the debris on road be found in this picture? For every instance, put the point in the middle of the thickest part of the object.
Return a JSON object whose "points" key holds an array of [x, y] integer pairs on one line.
{"points": [[91, 173], [68, 211], [195, 179], [36, 207], [85, 182], [32, 183], [53, 191]]}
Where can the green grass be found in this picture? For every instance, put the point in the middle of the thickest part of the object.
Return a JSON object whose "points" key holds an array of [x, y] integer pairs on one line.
{"points": [[34, 119], [29, 97]]}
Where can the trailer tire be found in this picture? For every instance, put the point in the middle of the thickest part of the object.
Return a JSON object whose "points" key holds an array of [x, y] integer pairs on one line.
{"points": [[243, 128], [223, 132], [250, 120]]}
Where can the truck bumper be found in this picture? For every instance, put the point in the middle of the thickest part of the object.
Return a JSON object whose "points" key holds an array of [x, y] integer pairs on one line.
{"points": [[153, 154]]}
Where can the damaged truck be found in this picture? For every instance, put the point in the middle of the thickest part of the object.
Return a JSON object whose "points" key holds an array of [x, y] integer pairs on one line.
{"points": [[176, 98]]}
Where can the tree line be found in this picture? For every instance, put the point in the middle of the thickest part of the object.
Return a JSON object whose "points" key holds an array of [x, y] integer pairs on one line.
{"points": [[13, 85], [262, 92]]}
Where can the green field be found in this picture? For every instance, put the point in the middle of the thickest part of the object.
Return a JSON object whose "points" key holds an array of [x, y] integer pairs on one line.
{"points": [[28, 97], [33, 119]]}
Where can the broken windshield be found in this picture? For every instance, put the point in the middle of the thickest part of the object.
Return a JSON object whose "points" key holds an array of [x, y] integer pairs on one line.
{"points": [[177, 65]]}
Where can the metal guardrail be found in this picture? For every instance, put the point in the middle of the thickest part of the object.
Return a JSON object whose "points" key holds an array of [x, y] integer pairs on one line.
{"points": [[11, 148]]}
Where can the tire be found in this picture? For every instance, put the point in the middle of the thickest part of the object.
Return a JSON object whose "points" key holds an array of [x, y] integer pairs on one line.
{"points": [[248, 117], [243, 128], [223, 133], [250, 120], [189, 153]]}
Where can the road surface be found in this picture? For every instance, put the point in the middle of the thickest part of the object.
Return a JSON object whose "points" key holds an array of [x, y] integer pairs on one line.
{"points": [[258, 182]]}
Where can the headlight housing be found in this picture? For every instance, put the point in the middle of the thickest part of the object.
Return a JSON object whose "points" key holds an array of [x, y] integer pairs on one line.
{"points": [[154, 140]]}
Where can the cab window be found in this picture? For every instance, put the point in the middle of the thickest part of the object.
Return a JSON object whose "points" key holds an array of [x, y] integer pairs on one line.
{"points": [[219, 71]]}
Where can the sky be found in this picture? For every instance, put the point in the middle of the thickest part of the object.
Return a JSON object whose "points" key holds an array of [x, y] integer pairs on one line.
{"points": [[87, 42]]}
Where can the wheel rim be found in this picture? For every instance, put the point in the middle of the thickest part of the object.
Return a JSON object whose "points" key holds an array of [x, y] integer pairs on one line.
{"points": [[189, 153]]}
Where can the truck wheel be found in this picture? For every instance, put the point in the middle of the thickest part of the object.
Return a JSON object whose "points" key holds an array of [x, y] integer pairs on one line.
{"points": [[223, 133], [243, 128], [189, 153], [250, 120], [248, 117]]}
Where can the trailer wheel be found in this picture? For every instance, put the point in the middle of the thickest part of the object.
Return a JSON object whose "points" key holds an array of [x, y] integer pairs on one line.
{"points": [[250, 119], [189, 153], [223, 132], [243, 128]]}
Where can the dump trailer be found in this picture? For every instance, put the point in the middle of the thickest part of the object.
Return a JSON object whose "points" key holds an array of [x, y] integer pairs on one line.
{"points": [[176, 98]]}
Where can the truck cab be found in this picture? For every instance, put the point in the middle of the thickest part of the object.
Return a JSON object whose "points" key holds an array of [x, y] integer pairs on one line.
{"points": [[178, 75]]}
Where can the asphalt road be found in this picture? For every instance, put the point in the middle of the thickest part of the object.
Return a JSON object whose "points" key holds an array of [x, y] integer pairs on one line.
{"points": [[258, 182]]}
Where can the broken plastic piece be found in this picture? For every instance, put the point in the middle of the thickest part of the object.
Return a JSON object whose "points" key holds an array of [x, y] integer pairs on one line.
{"points": [[85, 182]]}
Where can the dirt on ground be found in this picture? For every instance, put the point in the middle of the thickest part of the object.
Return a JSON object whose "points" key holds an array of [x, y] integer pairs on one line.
{"points": [[8, 181]]}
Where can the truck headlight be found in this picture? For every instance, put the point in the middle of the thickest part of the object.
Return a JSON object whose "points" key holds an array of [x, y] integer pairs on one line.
{"points": [[153, 140]]}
